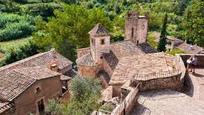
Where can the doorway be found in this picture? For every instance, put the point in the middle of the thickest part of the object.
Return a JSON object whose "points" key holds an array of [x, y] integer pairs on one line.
{"points": [[41, 107]]}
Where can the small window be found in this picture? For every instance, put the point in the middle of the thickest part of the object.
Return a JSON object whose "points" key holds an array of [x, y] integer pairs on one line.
{"points": [[37, 90], [102, 42], [137, 42], [132, 32]]}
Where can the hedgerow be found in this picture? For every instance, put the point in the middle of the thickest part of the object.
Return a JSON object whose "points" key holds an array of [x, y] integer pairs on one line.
{"points": [[14, 26]]}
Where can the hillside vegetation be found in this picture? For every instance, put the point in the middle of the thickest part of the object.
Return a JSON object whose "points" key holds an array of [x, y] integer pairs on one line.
{"points": [[64, 24]]}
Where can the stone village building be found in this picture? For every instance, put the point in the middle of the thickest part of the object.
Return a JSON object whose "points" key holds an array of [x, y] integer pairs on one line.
{"points": [[116, 63], [104, 56], [26, 85], [132, 66]]}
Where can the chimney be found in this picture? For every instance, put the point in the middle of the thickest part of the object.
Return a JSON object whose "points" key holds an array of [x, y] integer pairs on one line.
{"points": [[54, 66]]}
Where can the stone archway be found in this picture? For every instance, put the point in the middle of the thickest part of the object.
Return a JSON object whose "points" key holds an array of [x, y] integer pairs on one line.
{"points": [[104, 77]]}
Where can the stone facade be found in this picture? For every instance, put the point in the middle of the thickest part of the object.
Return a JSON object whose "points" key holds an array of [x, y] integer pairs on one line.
{"points": [[99, 42], [35, 79], [136, 28], [172, 82], [26, 103], [88, 71]]}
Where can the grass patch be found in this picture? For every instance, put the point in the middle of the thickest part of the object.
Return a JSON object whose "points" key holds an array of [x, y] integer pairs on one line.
{"points": [[175, 51], [107, 107]]}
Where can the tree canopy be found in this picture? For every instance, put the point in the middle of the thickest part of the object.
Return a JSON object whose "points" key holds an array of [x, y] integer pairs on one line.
{"points": [[194, 22], [85, 94], [69, 29]]}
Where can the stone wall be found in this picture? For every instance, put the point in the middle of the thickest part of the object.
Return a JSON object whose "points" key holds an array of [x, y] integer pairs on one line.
{"points": [[87, 71], [98, 49], [142, 29], [27, 101], [136, 28], [131, 26], [172, 82], [127, 104], [107, 68]]}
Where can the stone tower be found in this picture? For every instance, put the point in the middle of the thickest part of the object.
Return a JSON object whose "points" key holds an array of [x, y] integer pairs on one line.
{"points": [[99, 42], [136, 28]]}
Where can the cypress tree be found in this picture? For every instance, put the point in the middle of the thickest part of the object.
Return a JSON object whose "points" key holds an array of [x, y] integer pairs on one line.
{"points": [[162, 41]]}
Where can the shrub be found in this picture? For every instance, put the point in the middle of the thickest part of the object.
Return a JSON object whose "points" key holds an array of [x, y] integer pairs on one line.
{"points": [[53, 107], [175, 51], [86, 93]]}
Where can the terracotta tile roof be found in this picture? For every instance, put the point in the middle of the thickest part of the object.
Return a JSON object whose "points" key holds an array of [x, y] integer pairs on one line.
{"points": [[118, 50], [4, 106], [17, 81], [144, 67], [14, 83], [125, 48], [86, 60], [145, 47], [192, 49], [17, 77], [111, 59], [99, 30], [41, 59], [37, 72]]}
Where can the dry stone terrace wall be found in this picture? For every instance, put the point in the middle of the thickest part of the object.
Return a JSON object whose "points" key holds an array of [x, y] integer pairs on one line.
{"points": [[127, 104], [172, 82]]}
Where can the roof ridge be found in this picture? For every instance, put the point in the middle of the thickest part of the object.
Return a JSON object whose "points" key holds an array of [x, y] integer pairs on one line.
{"points": [[24, 60]]}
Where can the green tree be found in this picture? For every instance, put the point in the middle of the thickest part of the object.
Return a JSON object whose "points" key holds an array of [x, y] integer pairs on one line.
{"points": [[182, 6], [162, 41], [85, 93], [69, 29], [84, 99], [194, 21], [53, 107]]}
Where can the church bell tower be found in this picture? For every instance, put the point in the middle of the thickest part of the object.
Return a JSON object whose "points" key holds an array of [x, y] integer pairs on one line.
{"points": [[99, 42]]}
